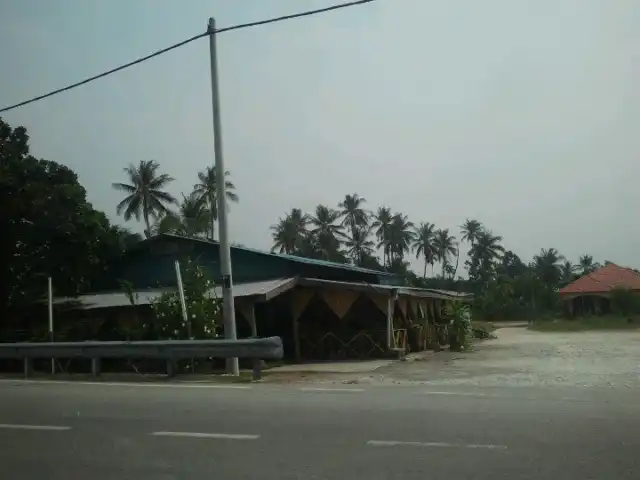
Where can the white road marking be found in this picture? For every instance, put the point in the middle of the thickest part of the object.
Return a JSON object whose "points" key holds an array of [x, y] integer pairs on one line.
{"points": [[224, 436], [462, 394], [394, 443], [313, 389], [51, 428], [128, 384]]}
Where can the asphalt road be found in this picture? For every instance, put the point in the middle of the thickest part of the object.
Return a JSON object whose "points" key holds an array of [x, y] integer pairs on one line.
{"points": [[99, 431]]}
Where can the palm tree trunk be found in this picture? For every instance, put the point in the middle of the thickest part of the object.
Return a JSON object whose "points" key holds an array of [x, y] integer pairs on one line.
{"points": [[145, 214], [444, 266], [424, 275], [457, 261]]}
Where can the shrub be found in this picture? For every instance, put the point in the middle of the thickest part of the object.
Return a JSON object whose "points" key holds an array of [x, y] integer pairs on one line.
{"points": [[461, 332]]}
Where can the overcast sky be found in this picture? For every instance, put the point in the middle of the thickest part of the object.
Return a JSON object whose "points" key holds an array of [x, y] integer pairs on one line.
{"points": [[522, 114]]}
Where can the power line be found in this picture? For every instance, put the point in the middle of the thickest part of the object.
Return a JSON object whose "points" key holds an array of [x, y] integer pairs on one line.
{"points": [[181, 44]]}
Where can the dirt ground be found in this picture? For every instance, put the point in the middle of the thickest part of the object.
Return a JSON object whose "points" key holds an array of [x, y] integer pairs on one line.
{"points": [[517, 357]]}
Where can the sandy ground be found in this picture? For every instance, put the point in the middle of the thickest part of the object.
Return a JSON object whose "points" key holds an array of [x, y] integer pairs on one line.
{"points": [[518, 357]]}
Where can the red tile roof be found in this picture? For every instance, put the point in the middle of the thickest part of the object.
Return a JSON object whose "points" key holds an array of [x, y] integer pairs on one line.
{"points": [[603, 280]]}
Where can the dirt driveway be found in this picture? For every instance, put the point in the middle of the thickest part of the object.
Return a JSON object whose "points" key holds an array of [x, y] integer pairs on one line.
{"points": [[518, 357]]}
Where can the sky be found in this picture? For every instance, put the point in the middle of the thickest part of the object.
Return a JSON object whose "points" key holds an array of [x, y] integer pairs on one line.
{"points": [[524, 115]]}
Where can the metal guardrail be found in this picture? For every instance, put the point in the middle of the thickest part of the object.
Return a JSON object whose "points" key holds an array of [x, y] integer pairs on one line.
{"points": [[170, 350]]}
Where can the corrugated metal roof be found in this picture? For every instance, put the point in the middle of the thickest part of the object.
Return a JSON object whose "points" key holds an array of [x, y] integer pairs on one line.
{"points": [[268, 289], [603, 280], [386, 289], [292, 258]]}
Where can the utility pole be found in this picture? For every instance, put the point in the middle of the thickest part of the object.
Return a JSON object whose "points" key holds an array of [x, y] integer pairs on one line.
{"points": [[228, 308]]}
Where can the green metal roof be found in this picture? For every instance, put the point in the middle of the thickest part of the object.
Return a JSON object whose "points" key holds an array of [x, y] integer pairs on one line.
{"points": [[292, 258]]}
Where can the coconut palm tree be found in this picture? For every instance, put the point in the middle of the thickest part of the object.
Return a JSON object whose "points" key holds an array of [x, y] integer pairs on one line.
{"points": [[401, 236], [355, 216], [290, 232], [326, 232], [483, 255], [192, 219], [470, 230], [445, 245], [568, 272], [207, 192], [587, 265], [145, 195], [381, 226], [359, 246], [547, 265], [424, 244]]}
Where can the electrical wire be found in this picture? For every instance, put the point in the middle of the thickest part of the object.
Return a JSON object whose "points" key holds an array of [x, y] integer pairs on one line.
{"points": [[181, 44]]}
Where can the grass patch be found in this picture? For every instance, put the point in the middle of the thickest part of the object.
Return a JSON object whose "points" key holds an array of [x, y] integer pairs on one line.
{"points": [[587, 323]]}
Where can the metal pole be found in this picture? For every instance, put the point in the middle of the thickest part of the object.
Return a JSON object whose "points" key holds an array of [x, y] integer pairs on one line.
{"points": [[228, 310], [183, 303], [50, 295]]}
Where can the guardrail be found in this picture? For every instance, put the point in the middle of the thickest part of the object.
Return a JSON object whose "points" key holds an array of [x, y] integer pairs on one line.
{"points": [[170, 350]]}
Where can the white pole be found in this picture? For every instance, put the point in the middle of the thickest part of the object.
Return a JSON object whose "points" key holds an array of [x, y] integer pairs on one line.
{"points": [[50, 295], [228, 309], [183, 303]]}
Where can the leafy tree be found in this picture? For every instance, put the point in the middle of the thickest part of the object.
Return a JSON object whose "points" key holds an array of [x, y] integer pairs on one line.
{"points": [[206, 191], [48, 227], [126, 238], [424, 244], [567, 272], [146, 197]]}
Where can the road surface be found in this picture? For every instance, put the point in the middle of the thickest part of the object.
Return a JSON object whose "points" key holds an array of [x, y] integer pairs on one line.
{"points": [[159, 432]]}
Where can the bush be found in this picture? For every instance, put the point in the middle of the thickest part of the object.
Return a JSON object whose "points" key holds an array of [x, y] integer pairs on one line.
{"points": [[203, 307], [624, 301], [460, 330]]}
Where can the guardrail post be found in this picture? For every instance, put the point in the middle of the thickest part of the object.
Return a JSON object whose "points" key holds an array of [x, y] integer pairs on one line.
{"points": [[171, 368], [95, 367], [27, 367], [257, 369]]}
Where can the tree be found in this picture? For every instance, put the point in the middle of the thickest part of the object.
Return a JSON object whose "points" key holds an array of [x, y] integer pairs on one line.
{"points": [[48, 228], [207, 191], [326, 233], [445, 245], [354, 215], [424, 244], [548, 266], [567, 272], [192, 219], [401, 236], [126, 238], [290, 231], [145, 194], [483, 256], [587, 265], [471, 230], [359, 247], [381, 225]]}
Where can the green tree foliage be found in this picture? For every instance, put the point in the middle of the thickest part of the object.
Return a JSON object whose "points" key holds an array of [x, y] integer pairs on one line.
{"points": [[48, 227], [146, 197], [206, 191]]}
